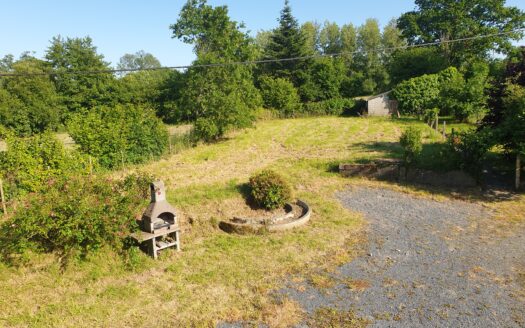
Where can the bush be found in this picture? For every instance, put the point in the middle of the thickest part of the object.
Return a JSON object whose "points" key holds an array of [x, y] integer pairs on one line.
{"points": [[468, 150], [281, 95], [417, 95], [335, 106], [29, 163], [75, 216], [113, 135], [412, 145], [269, 190], [205, 129]]}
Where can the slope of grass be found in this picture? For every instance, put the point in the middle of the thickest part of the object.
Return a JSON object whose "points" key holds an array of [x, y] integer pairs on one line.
{"points": [[217, 277]]}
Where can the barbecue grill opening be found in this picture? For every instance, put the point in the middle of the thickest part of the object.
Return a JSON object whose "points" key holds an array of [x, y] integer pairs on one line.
{"points": [[164, 220]]}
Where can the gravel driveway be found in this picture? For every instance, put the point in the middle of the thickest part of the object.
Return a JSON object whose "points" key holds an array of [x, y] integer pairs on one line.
{"points": [[427, 264]]}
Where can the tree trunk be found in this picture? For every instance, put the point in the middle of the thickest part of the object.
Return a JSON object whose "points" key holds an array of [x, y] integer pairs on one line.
{"points": [[518, 171]]}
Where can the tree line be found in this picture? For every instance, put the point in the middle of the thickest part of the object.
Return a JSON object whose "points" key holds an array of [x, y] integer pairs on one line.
{"points": [[102, 111]]}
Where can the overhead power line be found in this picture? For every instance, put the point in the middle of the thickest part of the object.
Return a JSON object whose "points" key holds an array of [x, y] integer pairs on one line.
{"points": [[262, 61]]}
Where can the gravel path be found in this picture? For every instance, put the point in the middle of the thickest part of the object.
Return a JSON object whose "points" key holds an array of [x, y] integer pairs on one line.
{"points": [[428, 264]]}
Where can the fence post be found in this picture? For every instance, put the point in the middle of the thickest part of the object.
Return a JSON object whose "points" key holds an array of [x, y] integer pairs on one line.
{"points": [[518, 171], [122, 157], [444, 129], [169, 139], [90, 165], [2, 197]]}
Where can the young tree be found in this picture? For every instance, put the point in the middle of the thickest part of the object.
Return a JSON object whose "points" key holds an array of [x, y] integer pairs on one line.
{"points": [[442, 20], [223, 97], [288, 41]]}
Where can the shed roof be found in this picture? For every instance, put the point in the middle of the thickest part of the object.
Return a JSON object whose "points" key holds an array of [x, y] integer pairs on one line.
{"points": [[379, 95]]}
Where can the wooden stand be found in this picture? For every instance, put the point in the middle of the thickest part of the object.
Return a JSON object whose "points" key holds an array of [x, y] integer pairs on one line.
{"points": [[161, 239]]}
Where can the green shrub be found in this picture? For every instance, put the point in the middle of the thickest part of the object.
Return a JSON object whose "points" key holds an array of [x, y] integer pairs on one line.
{"points": [[335, 106], [269, 190], [417, 95], [468, 150], [412, 145], [75, 216], [120, 134], [281, 95], [206, 129], [29, 163]]}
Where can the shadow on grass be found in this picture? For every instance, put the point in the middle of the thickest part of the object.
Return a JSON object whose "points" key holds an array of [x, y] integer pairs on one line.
{"points": [[245, 190], [435, 157]]}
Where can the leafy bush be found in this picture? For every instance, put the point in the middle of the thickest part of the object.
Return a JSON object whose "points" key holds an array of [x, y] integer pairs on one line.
{"points": [[417, 95], [412, 145], [75, 216], [335, 106], [29, 163], [281, 95], [469, 149], [269, 190], [205, 129], [113, 135], [463, 96]]}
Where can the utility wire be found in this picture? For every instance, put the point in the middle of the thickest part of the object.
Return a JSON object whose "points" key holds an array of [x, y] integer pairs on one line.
{"points": [[262, 61]]}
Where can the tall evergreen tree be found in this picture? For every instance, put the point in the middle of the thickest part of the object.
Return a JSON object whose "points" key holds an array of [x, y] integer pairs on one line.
{"points": [[288, 41]]}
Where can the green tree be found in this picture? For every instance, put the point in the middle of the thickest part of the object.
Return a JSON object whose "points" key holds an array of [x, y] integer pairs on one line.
{"points": [[369, 61], [288, 41], [348, 43], [390, 40], [330, 38], [442, 20], [408, 63], [512, 129], [138, 60], [464, 96], [311, 31], [84, 90], [225, 95], [29, 104], [325, 77]]}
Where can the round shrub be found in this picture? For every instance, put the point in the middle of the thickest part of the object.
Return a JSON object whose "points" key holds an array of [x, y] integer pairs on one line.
{"points": [[281, 95], [75, 216], [269, 190], [205, 129]]}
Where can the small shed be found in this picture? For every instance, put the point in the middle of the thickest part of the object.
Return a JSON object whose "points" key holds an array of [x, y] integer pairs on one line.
{"points": [[381, 105]]}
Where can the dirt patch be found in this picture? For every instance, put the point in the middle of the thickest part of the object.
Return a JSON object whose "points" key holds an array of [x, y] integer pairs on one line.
{"points": [[427, 263]]}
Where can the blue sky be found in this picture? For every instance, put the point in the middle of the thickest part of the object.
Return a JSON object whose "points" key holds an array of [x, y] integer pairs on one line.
{"points": [[118, 26]]}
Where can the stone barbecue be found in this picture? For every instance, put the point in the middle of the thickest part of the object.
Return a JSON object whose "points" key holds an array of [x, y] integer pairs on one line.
{"points": [[159, 224]]}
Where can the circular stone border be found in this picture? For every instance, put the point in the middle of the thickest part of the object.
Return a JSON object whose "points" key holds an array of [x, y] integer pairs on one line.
{"points": [[280, 223]]}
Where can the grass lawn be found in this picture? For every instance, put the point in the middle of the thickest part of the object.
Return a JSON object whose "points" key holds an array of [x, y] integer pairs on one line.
{"points": [[217, 276]]}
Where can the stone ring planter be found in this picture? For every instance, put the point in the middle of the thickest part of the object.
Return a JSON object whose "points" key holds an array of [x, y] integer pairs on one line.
{"points": [[280, 223]]}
